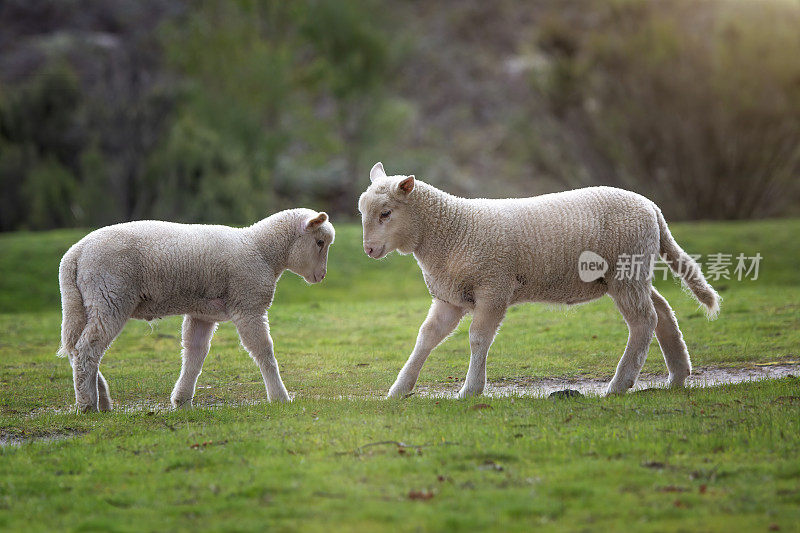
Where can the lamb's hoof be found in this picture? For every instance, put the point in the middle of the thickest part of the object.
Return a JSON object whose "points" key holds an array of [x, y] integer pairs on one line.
{"points": [[566, 393], [615, 391], [181, 404], [617, 387], [83, 409], [469, 392], [106, 404], [400, 391], [279, 398], [677, 382]]}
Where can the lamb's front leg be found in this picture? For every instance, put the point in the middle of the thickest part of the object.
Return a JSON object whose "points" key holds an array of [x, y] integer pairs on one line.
{"points": [[485, 322], [196, 340], [441, 321], [254, 333]]}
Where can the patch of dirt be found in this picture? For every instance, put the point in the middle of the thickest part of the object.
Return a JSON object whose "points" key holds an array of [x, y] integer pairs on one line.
{"points": [[542, 387], [15, 439], [149, 408]]}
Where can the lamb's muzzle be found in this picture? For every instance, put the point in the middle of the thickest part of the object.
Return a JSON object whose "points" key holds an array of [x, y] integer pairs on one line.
{"points": [[376, 251]]}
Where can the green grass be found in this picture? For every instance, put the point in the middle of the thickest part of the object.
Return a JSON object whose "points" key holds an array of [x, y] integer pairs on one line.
{"points": [[714, 460]]}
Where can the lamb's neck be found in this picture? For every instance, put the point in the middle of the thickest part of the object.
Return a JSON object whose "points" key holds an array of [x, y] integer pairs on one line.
{"points": [[273, 237], [439, 216]]}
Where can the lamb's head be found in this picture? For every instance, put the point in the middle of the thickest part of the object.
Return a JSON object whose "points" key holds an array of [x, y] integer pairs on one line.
{"points": [[308, 254], [386, 215]]}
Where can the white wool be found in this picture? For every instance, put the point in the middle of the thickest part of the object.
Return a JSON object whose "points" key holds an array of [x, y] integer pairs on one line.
{"points": [[151, 269], [484, 255]]}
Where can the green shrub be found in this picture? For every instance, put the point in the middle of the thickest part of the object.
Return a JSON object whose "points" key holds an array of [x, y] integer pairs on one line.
{"points": [[695, 104]]}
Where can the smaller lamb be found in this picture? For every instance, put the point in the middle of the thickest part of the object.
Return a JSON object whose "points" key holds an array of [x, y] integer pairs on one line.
{"points": [[482, 256], [151, 269]]}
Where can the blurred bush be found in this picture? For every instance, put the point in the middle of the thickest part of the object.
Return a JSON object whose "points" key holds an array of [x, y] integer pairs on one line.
{"points": [[225, 111], [694, 104], [40, 135]]}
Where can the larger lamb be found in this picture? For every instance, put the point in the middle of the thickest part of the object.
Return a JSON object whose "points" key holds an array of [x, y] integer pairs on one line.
{"points": [[150, 269], [482, 256]]}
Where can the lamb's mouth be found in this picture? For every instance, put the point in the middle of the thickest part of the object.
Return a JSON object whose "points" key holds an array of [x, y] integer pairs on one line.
{"points": [[379, 254], [313, 278]]}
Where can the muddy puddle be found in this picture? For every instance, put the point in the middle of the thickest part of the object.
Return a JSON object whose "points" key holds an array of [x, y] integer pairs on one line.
{"points": [[701, 377], [523, 386]]}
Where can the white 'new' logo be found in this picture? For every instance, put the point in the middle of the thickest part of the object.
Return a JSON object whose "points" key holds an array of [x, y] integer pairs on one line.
{"points": [[591, 266]]}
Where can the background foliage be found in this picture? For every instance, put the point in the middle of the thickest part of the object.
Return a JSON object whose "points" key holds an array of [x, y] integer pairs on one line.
{"points": [[225, 111]]}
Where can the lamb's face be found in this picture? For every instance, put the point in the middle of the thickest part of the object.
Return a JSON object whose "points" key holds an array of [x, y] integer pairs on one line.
{"points": [[385, 216], [308, 256]]}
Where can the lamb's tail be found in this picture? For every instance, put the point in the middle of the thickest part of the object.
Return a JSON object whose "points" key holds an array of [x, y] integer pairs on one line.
{"points": [[688, 270], [73, 313]]}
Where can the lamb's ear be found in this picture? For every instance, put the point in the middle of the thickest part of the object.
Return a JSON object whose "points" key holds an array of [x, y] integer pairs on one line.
{"points": [[407, 185], [317, 221], [377, 171]]}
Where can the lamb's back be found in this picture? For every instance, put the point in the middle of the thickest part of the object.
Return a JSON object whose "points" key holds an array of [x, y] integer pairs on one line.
{"points": [[151, 244], [164, 261], [534, 243]]}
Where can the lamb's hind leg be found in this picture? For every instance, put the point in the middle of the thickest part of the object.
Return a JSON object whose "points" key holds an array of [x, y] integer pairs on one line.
{"points": [[440, 322], [639, 313], [196, 340], [100, 331], [670, 339]]}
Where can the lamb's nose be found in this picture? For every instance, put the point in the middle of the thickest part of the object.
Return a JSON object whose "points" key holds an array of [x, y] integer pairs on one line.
{"points": [[368, 249]]}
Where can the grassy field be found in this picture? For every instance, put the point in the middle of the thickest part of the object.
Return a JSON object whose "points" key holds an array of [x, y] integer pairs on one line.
{"points": [[340, 457]]}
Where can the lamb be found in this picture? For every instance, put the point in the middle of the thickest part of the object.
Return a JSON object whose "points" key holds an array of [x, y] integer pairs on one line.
{"points": [[484, 255], [151, 269]]}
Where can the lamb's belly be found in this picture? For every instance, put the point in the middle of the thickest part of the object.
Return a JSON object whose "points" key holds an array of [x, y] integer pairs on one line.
{"points": [[561, 291], [457, 294], [517, 284], [211, 309]]}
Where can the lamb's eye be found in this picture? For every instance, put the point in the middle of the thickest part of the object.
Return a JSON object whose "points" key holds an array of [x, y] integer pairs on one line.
{"points": [[320, 243], [385, 215]]}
